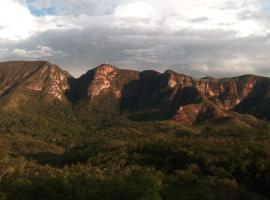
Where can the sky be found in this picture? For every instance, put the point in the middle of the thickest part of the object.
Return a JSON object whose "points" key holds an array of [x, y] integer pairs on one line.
{"points": [[200, 38]]}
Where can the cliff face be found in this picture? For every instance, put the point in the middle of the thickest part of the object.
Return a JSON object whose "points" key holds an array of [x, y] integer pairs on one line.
{"points": [[108, 78], [227, 93], [101, 80], [50, 80], [169, 94], [190, 100], [21, 81]]}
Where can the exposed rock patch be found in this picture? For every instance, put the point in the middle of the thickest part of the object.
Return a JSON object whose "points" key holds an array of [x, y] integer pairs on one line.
{"points": [[104, 76], [177, 96]]}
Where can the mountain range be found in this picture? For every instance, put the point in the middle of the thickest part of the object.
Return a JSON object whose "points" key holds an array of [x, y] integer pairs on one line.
{"points": [[123, 134], [146, 95]]}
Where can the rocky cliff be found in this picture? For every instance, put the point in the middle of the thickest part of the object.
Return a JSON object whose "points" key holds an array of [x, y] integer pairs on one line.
{"points": [[22, 82], [101, 80], [167, 95]]}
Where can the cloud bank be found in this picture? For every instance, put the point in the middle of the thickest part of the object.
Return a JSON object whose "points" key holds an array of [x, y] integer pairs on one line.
{"points": [[220, 38]]}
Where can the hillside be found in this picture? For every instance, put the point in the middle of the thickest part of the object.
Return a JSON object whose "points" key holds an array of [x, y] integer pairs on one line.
{"points": [[167, 95], [122, 134]]}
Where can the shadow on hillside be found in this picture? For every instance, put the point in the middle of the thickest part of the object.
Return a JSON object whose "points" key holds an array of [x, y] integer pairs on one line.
{"points": [[60, 160], [130, 92], [149, 116], [79, 87], [257, 102], [71, 93], [48, 158], [144, 107]]}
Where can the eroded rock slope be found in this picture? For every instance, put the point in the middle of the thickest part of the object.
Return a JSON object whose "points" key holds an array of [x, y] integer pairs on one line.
{"points": [[167, 95]]}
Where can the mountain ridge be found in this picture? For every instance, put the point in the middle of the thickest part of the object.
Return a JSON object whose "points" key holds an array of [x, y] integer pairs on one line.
{"points": [[170, 94]]}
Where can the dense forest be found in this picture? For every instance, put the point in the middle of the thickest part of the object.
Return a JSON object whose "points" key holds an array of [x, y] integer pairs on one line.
{"points": [[59, 154]]}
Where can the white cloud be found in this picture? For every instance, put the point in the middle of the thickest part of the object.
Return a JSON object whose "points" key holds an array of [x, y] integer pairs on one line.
{"points": [[150, 15], [176, 15], [16, 21], [40, 52], [236, 65], [138, 9]]}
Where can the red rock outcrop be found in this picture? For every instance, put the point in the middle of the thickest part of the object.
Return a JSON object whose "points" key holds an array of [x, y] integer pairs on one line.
{"points": [[168, 94], [37, 76]]}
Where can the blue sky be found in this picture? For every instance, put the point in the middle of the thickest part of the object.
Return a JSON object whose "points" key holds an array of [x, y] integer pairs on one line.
{"points": [[200, 38], [50, 10], [43, 11], [265, 5]]}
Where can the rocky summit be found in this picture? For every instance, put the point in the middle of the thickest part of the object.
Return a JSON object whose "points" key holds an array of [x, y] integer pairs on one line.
{"points": [[167, 96]]}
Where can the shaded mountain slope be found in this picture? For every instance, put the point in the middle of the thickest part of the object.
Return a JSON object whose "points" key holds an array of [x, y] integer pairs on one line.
{"points": [[28, 82], [148, 95]]}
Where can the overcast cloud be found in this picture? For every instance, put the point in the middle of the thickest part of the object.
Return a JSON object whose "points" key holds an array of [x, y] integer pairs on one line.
{"points": [[196, 37]]}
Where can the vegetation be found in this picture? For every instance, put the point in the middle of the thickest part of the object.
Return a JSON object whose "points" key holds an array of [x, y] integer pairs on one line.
{"points": [[96, 153]]}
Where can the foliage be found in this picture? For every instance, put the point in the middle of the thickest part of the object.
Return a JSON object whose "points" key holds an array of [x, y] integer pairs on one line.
{"points": [[73, 154]]}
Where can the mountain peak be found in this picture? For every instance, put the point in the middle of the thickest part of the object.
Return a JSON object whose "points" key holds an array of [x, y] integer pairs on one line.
{"points": [[169, 71], [105, 67], [169, 92], [35, 77]]}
